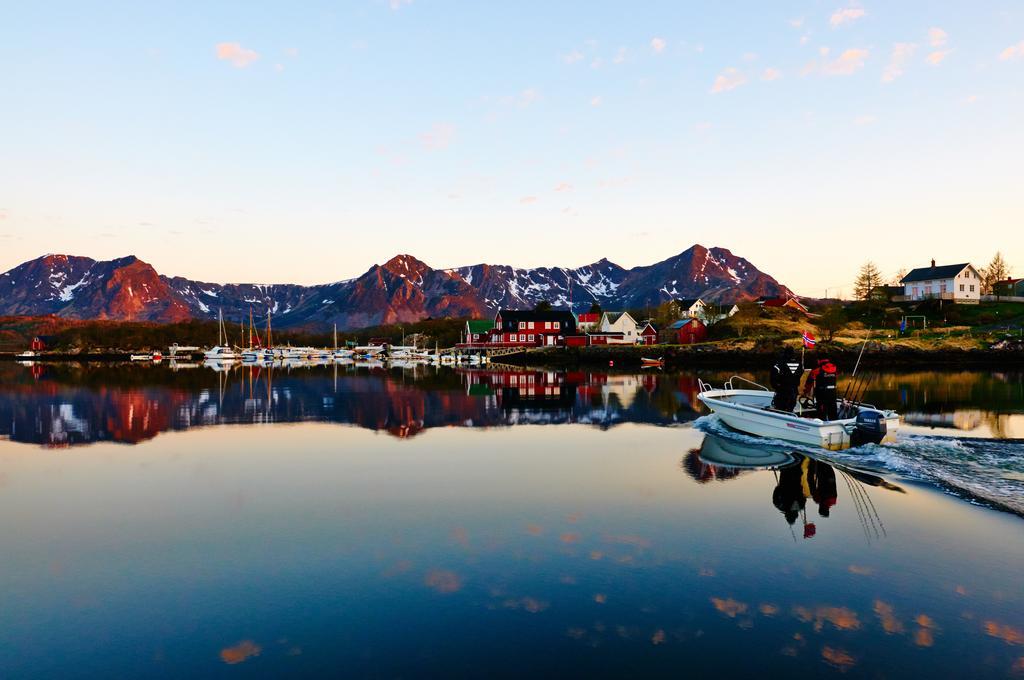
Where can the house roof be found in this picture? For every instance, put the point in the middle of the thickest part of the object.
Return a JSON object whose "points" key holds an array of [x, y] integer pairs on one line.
{"points": [[679, 324], [646, 326], [614, 317], [945, 271], [687, 303], [479, 325], [517, 315], [780, 302]]}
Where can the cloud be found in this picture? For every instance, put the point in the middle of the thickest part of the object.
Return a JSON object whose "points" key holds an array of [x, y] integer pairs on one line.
{"points": [[527, 97], [848, 63], [278, 68], [658, 45], [730, 607], [770, 74], [845, 16], [239, 56], [840, 617], [729, 79], [438, 137], [804, 39], [595, 101], [937, 37], [569, 537], [1013, 52], [837, 657], [535, 529], [901, 54], [970, 99], [620, 56], [1008, 634], [443, 581], [860, 570], [797, 22], [573, 57], [887, 617], [866, 119], [291, 52], [527, 200], [563, 186], [398, 4], [936, 57], [244, 650]]}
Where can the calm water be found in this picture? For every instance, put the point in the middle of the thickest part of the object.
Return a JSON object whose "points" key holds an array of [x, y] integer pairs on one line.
{"points": [[370, 523]]}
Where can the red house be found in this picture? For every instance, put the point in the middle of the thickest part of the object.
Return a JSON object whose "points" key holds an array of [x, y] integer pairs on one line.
{"points": [[532, 328], [648, 335], [684, 332]]}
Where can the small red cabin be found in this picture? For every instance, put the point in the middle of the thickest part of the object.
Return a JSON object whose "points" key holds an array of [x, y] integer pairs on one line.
{"points": [[648, 336], [685, 332]]}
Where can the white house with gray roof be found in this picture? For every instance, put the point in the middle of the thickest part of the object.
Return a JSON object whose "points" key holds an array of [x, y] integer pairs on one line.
{"points": [[955, 282]]}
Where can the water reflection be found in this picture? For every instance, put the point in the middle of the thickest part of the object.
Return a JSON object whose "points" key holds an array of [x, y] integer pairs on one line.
{"points": [[66, 405], [800, 480]]}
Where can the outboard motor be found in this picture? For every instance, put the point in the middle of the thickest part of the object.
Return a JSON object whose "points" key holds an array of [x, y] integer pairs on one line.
{"points": [[869, 429]]}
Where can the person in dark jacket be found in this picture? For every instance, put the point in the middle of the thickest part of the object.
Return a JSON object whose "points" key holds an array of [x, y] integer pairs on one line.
{"points": [[822, 383], [785, 380]]}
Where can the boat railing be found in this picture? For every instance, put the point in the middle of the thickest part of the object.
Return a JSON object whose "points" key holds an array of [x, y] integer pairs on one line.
{"points": [[729, 386]]}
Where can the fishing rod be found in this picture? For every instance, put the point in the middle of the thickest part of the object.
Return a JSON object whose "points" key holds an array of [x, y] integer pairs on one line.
{"points": [[856, 366]]}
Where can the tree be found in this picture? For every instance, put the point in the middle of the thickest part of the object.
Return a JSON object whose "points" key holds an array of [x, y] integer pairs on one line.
{"points": [[543, 306], [996, 271], [831, 321], [868, 279], [595, 308], [901, 273]]}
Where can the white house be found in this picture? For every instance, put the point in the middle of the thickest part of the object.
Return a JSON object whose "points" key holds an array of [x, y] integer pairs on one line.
{"points": [[620, 322], [691, 309], [955, 282]]}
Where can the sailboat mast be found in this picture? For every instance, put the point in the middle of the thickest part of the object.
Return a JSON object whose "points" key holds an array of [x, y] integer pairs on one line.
{"points": [[335, 336], [250, 326]]}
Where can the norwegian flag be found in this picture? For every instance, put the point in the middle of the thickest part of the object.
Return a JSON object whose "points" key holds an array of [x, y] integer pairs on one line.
{"points": [[809, 340]]}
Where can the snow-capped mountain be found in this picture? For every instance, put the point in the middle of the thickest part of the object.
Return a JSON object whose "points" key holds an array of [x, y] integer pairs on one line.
{"points": [[402, 290]]}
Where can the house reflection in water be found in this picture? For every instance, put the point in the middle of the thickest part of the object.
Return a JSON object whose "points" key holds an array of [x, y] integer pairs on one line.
{"points": [[66, 404]]}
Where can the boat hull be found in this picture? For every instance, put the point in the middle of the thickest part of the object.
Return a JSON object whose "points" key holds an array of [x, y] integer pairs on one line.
{"points": [[749, 411]]}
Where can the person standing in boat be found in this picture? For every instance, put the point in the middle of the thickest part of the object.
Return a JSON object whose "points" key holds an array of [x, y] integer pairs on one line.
{"points": [[822, 383], [785, 380]]}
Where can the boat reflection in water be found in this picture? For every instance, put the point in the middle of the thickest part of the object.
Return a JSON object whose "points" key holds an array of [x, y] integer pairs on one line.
{"points": [[800, 480]]}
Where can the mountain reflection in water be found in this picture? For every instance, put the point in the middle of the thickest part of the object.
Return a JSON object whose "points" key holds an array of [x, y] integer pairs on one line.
{"points": [[66, 405]]}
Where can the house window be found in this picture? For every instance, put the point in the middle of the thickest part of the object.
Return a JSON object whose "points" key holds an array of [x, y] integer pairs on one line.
{"points": [[522, 337], [972, 287], [522, 325], [555, 325], [530, 325], [961, 287], [531, 337]]}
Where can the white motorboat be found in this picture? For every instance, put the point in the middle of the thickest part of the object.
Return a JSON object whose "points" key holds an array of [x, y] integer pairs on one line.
{"points": [[750, 411]]}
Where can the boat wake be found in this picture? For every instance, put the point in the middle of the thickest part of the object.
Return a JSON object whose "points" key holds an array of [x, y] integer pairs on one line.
{"points": [[986, 472]]}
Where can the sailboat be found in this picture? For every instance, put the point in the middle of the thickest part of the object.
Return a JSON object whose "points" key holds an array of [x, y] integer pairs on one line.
{"points": [[257, 353], [222, 352], [338, 352]]}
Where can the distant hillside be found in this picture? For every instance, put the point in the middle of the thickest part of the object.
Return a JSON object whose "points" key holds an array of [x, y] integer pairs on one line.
{"points": [[402, 290]]}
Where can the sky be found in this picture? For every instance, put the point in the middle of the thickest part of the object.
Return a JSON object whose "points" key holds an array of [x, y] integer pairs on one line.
{"points": [[305, 142]]}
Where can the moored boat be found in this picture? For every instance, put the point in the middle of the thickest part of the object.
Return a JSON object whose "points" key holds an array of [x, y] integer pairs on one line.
{"points": [[750, 411]]}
